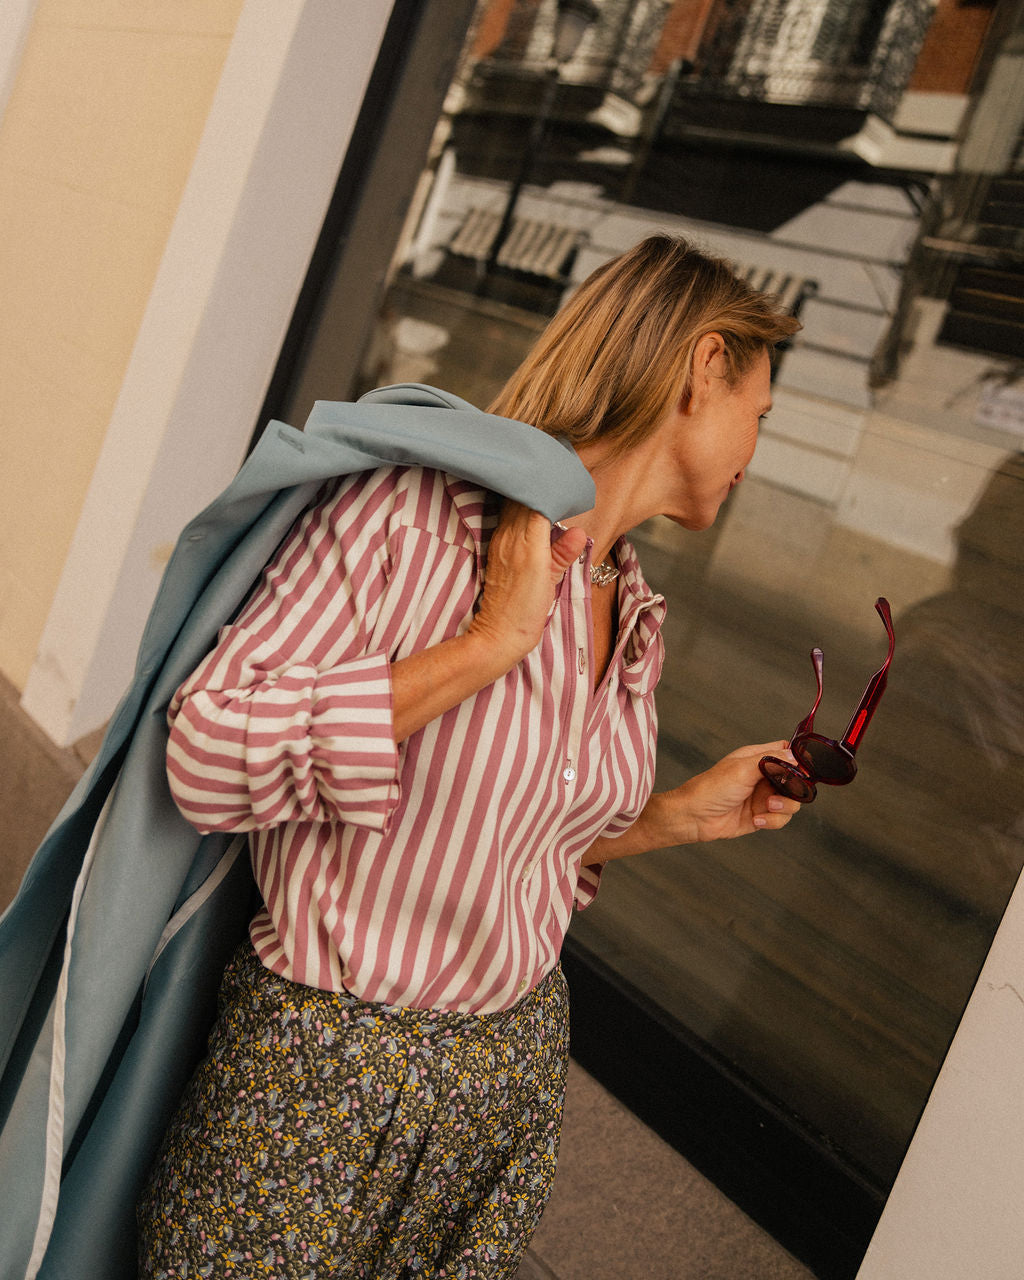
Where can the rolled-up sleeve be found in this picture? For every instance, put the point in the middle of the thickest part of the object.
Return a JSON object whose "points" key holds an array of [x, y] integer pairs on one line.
{"points": [[303, 747], [290, 718]]}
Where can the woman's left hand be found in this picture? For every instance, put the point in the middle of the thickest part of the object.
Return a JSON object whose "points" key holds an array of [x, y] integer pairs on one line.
{"points": [[731, 798]]}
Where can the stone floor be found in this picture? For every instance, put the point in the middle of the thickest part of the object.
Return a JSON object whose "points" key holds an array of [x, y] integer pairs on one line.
{"points": [[626, 1206]]}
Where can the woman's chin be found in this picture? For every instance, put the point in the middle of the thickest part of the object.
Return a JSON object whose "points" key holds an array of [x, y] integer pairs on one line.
{"points": [[695, 522]]}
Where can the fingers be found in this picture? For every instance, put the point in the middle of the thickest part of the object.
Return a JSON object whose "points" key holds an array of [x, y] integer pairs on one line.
{"points": [[567, 545], [769, 810], [772, 812], [523, 568], [755, 752]]}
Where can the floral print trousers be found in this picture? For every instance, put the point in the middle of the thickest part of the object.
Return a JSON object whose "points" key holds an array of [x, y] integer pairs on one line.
{"points": [[327, 1137]]}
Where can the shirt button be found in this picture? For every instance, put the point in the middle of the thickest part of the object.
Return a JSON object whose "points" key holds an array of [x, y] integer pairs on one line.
{"points": [[522, 986], [569, 773]]}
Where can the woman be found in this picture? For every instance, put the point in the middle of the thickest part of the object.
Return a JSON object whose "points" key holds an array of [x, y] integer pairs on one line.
{"points": [[436, 718]]}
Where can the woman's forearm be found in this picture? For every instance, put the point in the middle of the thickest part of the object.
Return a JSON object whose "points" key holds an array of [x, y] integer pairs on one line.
{"points": [[654, 829], [427, 684], [729, 799]]}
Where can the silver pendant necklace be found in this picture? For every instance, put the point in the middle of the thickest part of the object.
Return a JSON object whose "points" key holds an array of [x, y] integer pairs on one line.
{"points": [[600, 574], [603, 573]]}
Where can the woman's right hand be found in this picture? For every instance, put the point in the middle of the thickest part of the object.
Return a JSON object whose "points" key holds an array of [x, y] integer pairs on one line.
{"points": [[523, 570], [521, 576]]}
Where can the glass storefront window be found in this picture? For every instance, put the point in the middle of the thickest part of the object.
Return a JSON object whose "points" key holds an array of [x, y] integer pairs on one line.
{"points": [[830, 962]]}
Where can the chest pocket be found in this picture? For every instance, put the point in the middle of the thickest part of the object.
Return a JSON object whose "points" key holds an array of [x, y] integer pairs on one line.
{"points": [[431, 591]]}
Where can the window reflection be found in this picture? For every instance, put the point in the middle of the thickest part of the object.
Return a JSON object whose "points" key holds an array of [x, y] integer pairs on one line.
{"points": [[813, 144], [833, 964]]}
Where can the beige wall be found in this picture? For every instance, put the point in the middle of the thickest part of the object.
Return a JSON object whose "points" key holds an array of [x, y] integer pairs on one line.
{"points": [[95, 147]]}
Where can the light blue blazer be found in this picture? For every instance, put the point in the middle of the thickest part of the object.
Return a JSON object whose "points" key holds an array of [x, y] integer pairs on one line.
{"points": [[111, 954]]}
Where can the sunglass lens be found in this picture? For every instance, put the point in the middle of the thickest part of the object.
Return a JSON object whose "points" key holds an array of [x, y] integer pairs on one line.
{"points": [[825, 760], [787, 779]]}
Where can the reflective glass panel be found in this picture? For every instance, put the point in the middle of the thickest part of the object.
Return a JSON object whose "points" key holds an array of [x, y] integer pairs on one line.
{"points": [[815, 146]]}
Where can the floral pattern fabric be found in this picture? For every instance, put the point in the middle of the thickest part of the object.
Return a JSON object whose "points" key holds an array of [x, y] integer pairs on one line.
{"points": [[325, 1136]]}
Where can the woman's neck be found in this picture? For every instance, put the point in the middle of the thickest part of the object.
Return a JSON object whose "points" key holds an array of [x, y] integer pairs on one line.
{"points": [[621, 483]]}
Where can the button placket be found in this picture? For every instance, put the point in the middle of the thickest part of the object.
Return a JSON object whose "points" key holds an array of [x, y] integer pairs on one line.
{"points": [[581, 691], [575, 703]]}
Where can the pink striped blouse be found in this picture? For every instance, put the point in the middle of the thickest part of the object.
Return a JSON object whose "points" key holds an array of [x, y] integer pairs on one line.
{"points": [[440, 873]]}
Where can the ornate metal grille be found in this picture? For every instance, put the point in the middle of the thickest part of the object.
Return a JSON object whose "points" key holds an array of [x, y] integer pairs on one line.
{"points": [[849, 53], [614, 55]]}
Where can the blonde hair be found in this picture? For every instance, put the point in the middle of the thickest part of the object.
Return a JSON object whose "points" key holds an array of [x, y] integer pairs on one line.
{"points": [[619, 354]]}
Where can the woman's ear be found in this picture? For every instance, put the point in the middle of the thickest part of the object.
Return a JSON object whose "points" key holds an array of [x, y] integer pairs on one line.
{"points": [[706, 370]]}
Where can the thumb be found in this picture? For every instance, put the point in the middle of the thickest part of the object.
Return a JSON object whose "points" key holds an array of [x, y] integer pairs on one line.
{"points": [[567, 545]]}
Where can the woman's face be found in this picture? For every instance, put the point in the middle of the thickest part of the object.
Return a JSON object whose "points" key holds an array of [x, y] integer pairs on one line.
{"points": [[705, 446]]}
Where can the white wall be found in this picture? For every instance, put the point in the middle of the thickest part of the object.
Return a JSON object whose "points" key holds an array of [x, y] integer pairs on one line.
{"points": [[956, 1210]]}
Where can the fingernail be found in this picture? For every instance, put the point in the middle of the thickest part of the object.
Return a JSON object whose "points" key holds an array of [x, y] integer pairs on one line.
{"points": [[776, 804], [760, 822]]}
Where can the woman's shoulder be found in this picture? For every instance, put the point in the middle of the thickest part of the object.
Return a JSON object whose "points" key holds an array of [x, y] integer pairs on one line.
{"points": [[409, 496]]}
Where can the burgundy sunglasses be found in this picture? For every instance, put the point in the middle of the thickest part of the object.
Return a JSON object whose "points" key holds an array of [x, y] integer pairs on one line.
{"points": [[821, 759]]}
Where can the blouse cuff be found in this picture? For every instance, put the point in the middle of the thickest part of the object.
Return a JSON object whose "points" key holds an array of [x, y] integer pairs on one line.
{"points": [[352, 741]]}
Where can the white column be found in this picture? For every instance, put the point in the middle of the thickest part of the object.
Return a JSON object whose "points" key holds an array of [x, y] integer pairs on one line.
{"points": [[278, 130], [955, 1212]]}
